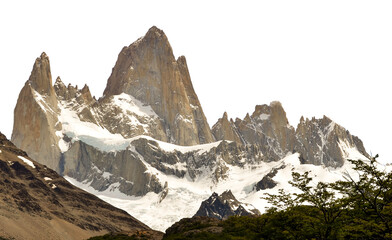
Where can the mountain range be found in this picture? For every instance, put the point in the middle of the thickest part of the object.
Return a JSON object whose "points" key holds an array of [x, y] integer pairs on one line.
{"points": [[145, 145]]}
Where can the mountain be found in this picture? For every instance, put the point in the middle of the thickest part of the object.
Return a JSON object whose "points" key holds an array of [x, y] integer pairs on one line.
{"points": [[148, 71], [146, 146], [37, 203], [318, 141], [225, 205], [36, 116]]}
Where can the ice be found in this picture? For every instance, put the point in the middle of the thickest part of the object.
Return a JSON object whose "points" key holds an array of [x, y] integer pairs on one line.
{"points": [[63, 145], [27, 161]]}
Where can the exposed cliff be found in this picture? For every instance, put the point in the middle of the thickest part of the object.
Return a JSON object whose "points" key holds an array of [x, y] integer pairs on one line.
{"points": [[148, 71], [319, 141], [36, 116]]}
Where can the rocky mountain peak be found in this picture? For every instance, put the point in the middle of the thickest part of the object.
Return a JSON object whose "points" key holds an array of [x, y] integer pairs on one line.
{"points": [[320, 141], [229, 196], [35, 115], [225, 130], [155, 33], [148, 71], [225, 205], [82, 96], [225, 117], [41, 77], [247, 118], [273, 112], [58, 82]]}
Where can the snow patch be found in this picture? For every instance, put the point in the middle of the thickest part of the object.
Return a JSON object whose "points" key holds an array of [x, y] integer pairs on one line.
{"points": [[184, 119], [264, 116], [130, 104], [47, 179], [194, 107], [350, 152], [27, 161], [41, 102]]}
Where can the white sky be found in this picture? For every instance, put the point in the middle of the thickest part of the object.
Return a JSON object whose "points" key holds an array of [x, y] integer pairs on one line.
{"points": [[318, 58]]}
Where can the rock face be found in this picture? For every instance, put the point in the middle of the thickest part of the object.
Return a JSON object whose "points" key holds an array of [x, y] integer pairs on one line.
{"points": [[226, 130], [267, 182], [148, 71], [267, 128], [223, 206], [319, 141], [35, 116], [322, 141], [131, 168], [37, 203]]}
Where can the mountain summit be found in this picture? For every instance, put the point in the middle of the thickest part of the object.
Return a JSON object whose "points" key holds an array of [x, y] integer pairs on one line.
{"points": [[148, 70], [36, 116]]}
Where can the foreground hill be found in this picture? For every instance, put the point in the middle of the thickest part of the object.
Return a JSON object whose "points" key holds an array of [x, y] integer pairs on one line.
{"points": [[37, 203]]}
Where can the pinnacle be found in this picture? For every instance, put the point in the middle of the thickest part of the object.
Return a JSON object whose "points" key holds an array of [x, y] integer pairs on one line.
{"points": [[276, 104], [41, 78], [155, 33], [44, 56], [58, 81], [181, 59], [155, 30], [225, 115], [85, 89]]}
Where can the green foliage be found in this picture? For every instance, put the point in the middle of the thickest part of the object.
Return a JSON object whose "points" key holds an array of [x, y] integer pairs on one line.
{"points": [[363, 210], [369, 197]]}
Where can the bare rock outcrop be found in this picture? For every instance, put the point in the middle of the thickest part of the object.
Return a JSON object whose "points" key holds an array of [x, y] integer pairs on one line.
{"points": [[226, 130], [35, 116], [322, 141], [223, 206], [148, 71], [267, 128], [319, 141]]}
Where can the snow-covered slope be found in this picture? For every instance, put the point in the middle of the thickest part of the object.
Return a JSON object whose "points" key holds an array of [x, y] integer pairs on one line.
{"points": [[185, 195]]}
